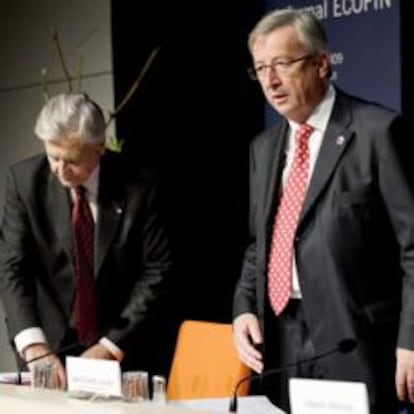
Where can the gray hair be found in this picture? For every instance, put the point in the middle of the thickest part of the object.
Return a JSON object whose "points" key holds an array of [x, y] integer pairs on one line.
{"points": [[310, 31], [73, 116]]}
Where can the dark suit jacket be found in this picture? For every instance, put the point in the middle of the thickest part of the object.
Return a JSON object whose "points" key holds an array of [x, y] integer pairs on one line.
{"points": [[132, 257], [354, 244]]}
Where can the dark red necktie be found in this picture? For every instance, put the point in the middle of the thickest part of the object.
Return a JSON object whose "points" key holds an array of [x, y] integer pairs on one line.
{"points": [[85, 308], [286, 222]]}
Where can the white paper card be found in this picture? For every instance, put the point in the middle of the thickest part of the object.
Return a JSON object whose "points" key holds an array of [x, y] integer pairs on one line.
{"points": [[95, 376], [313, 396]]}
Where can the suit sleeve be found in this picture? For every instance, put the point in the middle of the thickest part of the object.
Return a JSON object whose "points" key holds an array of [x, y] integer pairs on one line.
{"points": [[396, 180], [245, 293], [17, 284], [151, 289]]}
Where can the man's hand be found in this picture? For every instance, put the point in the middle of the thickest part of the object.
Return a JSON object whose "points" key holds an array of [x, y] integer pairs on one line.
{"points": [[38, 350], [404, 377], [246, 335], [97, 351]]}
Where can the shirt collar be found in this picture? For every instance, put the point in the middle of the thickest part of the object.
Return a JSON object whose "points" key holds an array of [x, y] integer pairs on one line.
{"points": [[91, 183]]}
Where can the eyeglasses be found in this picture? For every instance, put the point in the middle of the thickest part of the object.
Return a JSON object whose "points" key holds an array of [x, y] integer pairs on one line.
{"points": [[280, 66]]}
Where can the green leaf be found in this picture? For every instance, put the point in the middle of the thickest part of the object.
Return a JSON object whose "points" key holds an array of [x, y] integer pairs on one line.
{"points": [[114, 144]]}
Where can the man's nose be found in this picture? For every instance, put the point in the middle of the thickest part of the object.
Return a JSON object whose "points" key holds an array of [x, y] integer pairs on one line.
{"points": [[272, 78], [60, 166]]}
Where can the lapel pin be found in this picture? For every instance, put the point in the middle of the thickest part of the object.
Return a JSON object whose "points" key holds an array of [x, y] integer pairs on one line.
{"points": [[340, 140], [118, 210]]}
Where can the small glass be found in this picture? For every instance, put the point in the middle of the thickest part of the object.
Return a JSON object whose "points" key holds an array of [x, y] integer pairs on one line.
{"points": [[159, 389], [135, 386], [45, 375]]}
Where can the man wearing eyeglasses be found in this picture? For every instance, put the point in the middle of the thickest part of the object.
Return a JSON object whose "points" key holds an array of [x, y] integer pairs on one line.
{"points": [[331, 253]]}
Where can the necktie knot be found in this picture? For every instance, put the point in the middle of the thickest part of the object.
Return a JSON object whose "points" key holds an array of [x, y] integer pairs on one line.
{"points": [[303, 132], [81, 210], [80, 191]]}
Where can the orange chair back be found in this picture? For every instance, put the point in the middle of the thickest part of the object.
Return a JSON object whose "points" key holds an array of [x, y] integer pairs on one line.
{"points": [[205, 362]]}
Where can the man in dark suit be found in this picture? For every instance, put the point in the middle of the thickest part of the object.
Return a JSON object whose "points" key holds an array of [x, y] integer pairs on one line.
{"points": [[131, 261], [343, 233]]}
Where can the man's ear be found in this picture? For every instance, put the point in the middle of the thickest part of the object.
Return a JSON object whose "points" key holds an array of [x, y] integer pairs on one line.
{"points": [[325, 66]]}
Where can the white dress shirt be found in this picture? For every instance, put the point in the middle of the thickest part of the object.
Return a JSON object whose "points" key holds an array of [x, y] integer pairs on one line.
{"points": [[319, 121]]}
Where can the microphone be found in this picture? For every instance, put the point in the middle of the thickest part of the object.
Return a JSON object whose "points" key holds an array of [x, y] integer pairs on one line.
{"points": [[344, 346], [119, 324]]}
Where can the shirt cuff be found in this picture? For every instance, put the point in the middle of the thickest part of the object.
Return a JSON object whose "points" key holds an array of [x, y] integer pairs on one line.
{"points": [[116, 352], [28, 337]]}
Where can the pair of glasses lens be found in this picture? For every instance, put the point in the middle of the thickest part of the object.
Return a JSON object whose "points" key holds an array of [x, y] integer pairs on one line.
{"points": [[281, 66]]}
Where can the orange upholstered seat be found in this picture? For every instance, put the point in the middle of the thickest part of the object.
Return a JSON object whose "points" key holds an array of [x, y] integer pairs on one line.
{"points": [[205, 362]]}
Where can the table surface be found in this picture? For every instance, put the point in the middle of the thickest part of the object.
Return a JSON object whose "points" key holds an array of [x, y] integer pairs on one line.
{"points": [[23, 399]]}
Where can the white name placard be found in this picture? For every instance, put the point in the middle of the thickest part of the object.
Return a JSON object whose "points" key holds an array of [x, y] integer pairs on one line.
{"points": [[314, 396], [94, 376]]}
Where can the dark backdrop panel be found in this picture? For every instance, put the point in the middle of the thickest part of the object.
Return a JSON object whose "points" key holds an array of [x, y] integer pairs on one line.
{"points": [[192, 118]]}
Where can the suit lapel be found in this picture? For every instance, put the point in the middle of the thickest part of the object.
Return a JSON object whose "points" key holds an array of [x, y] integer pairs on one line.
{"points": [[111, 206], [58, 207], [336, 140], [276, 161]]}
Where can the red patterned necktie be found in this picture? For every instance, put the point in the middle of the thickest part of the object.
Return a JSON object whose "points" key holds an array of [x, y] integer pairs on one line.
{"points": [[85, 309], [286, 221]]}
